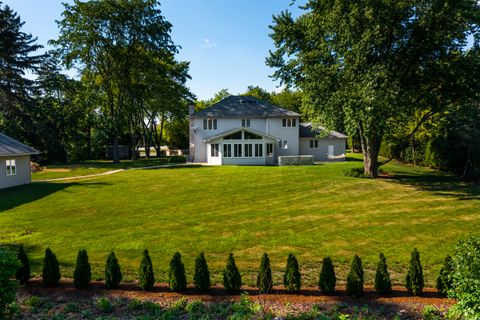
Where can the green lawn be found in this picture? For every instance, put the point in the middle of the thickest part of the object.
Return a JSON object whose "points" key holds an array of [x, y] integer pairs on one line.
{"points": [[312, 211], [95, 167]]}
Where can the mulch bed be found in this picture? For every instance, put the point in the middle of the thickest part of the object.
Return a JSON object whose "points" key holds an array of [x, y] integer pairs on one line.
{"points": [[397, 302]]}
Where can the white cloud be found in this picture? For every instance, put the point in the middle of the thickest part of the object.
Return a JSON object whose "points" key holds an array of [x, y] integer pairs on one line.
{"points": [[208, 43]]}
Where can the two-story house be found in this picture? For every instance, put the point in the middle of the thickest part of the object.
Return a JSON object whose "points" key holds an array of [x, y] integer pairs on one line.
{"points": [[244, 130]]}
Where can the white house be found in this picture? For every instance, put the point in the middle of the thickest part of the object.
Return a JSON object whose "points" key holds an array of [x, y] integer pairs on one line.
{"points": [[14, 162], [244, 130]]}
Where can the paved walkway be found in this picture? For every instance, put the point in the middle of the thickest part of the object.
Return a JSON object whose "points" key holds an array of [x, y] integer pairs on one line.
{"points": [[113, 172]]}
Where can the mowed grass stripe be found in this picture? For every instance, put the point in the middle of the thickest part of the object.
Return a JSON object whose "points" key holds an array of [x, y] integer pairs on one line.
{"points": [[311, 211]]}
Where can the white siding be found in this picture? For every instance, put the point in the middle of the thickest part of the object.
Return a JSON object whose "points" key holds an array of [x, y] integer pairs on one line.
{"points": [[23, 175], [321, 153]]}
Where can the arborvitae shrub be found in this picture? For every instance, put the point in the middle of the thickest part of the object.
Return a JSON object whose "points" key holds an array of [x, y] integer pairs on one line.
{"points": [[23, 271], [83, 272], [232, 281], [113, 274], [177, 281], [355, 278], [444, 280], [383, 284], [51, 270], [264, 278], [146, 279], [291, 279], [201, 278], [414, 281], [327, 279]]}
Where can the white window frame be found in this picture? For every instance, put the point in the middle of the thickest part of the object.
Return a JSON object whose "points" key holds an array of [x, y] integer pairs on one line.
{"points": [[227, 150], [248, 150], [258, 150], [11, 167], [215, 150], [246, 123], [209, 124], [237, 150], [269, 149]]}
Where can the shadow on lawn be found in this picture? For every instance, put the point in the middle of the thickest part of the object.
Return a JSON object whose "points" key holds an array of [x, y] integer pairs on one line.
{"points": [[17, 196], [439, 183]]}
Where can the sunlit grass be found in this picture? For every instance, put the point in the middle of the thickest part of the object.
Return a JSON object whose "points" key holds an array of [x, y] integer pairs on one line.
{"points": [[312, 211]]}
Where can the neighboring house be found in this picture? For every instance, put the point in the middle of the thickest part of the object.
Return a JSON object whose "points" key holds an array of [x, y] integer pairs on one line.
{"points": [[244, 130], [14, 162]]}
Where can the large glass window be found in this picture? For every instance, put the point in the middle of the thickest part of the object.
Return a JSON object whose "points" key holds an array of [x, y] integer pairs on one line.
{"points": [[11, 167], [237, 150], [227, 150], [234, 136], [248, 150], [258, 150], [269, 149], [214, 150], [251, 136]]}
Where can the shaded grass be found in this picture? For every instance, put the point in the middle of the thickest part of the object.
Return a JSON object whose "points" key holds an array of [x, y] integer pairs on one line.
{"points": [[312, 211]]}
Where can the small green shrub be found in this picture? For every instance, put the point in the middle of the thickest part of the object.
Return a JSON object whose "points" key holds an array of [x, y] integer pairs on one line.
{"points": [[292, 277], [431, 313], [383, 284], [113, 273], [177, 281], [51, 270], [8, 267], [414, 281], [23, 271], [104, 304], [72, 307], [33, 302], [83, 272], [232, 281], [327, 279], [355, 278], [201, 278], [444, 280], [465, 279], [146, 279], [264, 278]]}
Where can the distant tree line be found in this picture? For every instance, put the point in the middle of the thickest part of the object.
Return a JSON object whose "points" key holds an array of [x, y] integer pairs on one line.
{"points": [[129, 86]]}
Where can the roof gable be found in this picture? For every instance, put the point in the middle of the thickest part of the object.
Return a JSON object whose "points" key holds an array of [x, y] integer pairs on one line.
{"points": [[244, 106], [11, 147], [235, 130]]}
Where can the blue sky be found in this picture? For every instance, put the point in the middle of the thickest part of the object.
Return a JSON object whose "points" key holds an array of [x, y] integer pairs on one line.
{"points": [[226, 41]]}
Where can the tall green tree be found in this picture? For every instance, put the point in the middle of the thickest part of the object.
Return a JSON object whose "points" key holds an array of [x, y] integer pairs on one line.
{"points": [[414, 281], [113, 43], [376, 63], [17, 57]]}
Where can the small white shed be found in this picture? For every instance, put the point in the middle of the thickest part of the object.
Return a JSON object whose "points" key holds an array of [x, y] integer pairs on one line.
{"points": [[14, 162]]}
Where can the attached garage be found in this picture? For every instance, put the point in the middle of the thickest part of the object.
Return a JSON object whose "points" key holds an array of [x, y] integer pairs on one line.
{"points": [[323, 147]]}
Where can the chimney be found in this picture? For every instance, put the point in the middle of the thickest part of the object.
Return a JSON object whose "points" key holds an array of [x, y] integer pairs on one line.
{"points": [[191, 124]]}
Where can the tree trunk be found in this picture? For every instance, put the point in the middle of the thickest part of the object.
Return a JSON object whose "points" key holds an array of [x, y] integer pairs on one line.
{"points": [[370, 150], [115, 150], [89, 143]]}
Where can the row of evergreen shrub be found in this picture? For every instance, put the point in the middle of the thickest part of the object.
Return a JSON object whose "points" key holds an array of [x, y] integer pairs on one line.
{"points": [[231, 276]]}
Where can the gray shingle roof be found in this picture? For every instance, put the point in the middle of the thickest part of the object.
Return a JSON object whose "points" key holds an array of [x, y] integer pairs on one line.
{"points": [[244, 106], [10, 147], [307, 130]]}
